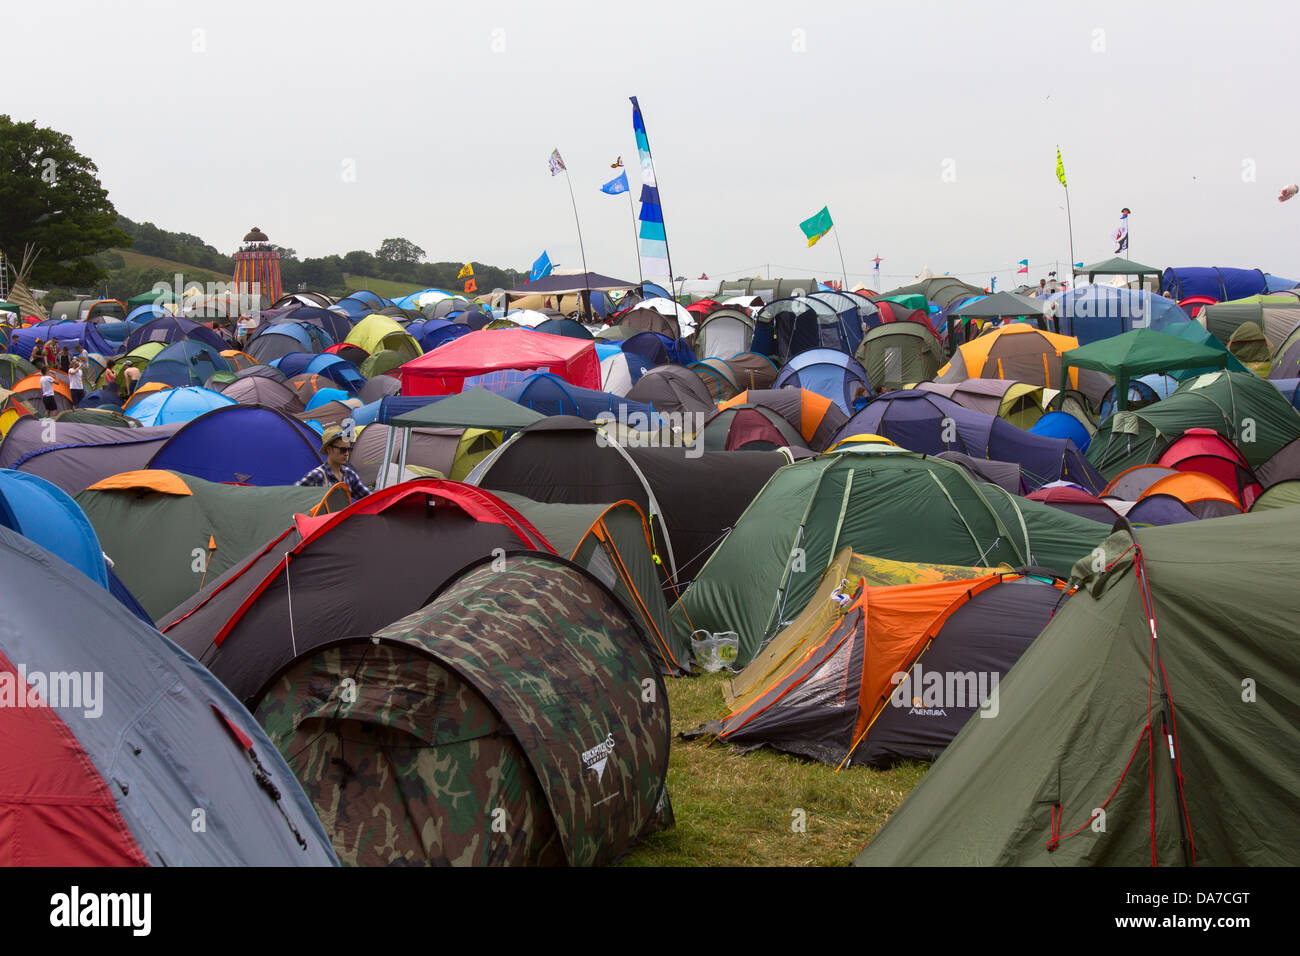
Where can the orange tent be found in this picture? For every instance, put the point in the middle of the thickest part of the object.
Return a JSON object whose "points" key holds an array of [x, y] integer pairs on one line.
{"points": [[1018, 352]]}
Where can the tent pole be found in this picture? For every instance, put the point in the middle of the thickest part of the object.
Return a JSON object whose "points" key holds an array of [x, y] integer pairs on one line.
{"points": [[1070, 224], [843, 271], [382, 481], [401, 462], [636, 245]]}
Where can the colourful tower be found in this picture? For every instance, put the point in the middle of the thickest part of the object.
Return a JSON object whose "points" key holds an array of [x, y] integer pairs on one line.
{"points": [[256, 262]]}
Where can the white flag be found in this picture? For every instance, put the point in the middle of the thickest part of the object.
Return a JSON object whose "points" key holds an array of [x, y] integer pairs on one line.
{"points": [[556, 163]]}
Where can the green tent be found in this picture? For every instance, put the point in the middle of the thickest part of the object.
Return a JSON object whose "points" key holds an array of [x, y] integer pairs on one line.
{"points": [[1075, 770], [1195, 332], [901, 506], [472, 408], [168, 534], [1140, 352], [1244, 408], [613, 542], [912, 301], [1222, 319], [1118, 267], [899, 353]]}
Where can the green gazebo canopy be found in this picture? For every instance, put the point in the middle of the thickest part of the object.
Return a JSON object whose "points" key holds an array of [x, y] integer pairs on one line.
{"points": [[1117, 267], [474, 408], [1141, 352]]}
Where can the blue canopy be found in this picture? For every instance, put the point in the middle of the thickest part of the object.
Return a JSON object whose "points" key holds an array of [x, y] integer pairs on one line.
{"points": [[71, 334]]}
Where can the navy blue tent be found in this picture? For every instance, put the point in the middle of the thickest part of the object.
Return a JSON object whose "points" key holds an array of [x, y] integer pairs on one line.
{"points": [[928, 423], [245, 444], [551, 395], [438, 332], [361, 303], [172, 328], [336, 324], [71, 334], [658, 349], [1095, 312], [787, 327], [1063, 425], [1221, 284], [280, 338]]}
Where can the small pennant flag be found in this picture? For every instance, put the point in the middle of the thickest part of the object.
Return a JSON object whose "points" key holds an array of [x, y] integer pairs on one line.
{"points": [[470, 286], [541, 268], [1060, 168], [616, 164], [993, 284], [556, 163], [1121, 234], [466, 271], [817, 226], [1024, 267], [616, 185]]}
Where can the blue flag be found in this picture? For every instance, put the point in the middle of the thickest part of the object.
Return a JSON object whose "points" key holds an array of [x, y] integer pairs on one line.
{"points": [[541, 268], [616, 185]]}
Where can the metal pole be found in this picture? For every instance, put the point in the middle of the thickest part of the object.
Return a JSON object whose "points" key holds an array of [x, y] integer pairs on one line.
{"points": [[636, 240], [586, 276], [1070, 222], [843, 271]]}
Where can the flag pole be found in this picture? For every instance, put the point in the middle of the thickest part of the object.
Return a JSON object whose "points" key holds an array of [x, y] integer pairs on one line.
{"points": [[586, 276], [1070, 224], [843, 270], [636, 244]]}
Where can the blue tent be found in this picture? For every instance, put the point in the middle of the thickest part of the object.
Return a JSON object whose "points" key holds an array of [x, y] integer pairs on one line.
{"points": [[1143, 391], [172, 405], [336, 368], [114, 332], [324, 396], [187, 362], [124, 782], [566, 327], [1290, 388], [43, 512], [71, 334], [280, 338], [924, 422], [658, 349], [335, 324], [1278, 284], [1095, 312], [827, 372], [1063, 425], [551, 395], [172, 328], [786, 327], [145, 313], [1221, 284], [362, 303], [432, 337], [246, 444]]}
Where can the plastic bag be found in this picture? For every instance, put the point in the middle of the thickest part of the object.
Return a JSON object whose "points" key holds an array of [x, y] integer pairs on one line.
{"points": [[713, 651]]}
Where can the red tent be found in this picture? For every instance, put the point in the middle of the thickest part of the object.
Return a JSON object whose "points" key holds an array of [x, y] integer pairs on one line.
{"points": [[444, 370]]}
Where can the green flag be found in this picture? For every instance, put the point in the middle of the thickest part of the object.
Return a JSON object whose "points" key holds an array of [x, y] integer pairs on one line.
{"points": [[817, 226]]}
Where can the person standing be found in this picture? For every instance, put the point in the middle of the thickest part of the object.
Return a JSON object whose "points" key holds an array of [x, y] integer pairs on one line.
{"points": [[38, 353], [75, 385], [47, 389], [65, 359], [336, 446], [51, 354]]}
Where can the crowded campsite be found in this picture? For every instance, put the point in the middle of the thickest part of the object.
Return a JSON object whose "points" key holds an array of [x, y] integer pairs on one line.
{"points": [[371, 560]]}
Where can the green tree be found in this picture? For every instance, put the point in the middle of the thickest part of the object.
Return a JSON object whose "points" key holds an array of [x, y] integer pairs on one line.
{"points": [[51, 197], [399, 252]]}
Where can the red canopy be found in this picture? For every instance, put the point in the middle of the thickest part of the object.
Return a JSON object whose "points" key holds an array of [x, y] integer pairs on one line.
{"points": [[444, 370]]}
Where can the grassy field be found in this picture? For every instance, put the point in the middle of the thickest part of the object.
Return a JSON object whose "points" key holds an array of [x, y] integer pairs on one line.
{"points": [[385, 287], [740, 810], [137, 260]]}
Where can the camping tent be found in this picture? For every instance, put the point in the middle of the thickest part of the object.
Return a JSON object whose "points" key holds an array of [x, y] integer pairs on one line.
{"points": [[443, 371]]}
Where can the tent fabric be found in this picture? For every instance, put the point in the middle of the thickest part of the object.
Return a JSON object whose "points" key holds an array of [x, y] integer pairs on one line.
{"points": [[443, 372], [172, 405], [115, 784], [1233, 404], [1208, 452], [929, 423], [247, 444], [548, 394], [1220, 283], [168, 329], [724, 333], [1083, 719], [472, 408], [243, 627], [79, 455], [671, 388], [1095, 312], [815, 418], [748, 426], [548, 723], [1141, 352], [45, 514], [898, 353], [900, 506], [1018, 352], [167, 534], [828, 373]]}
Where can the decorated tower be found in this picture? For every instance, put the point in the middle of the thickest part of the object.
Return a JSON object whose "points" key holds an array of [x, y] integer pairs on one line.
{"points": [[256, 262]]}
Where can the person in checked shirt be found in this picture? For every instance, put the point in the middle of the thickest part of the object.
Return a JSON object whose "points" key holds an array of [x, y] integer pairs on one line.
{"points": [[337, 448]]}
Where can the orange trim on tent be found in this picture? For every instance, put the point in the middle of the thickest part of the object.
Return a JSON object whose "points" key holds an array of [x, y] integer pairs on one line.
{"points": [[741, 399], [812, 409], [33, 383], [163, 482]]}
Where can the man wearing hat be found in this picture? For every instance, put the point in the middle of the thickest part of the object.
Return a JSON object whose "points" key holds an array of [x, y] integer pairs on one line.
{"points": [[336, 446]]}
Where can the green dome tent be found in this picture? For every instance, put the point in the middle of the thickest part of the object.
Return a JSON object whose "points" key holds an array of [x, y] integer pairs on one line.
{"points": [[1077, 769]]}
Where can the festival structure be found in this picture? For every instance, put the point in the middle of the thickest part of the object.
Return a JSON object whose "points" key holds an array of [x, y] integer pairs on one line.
{"points": [[257, 268]]}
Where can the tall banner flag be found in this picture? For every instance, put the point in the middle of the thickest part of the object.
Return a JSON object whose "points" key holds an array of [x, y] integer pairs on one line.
{"points": [[655, 258], [466, 271], [616, 185], [556, 163], [1121, 233], [1024, 267], [470, 285], [817, 225], [1060, 168], [541, 268], [993, 284]]}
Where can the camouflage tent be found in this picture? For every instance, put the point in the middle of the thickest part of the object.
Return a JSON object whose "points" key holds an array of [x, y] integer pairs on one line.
{"points": [[517, 719]]}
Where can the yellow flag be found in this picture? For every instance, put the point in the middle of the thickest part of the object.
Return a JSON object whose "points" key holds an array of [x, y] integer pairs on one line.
{"points": [[466, 270], [1060, 168]]}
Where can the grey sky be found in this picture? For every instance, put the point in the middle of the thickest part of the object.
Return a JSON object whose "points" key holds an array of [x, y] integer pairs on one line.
{"points": [[758, 114]]}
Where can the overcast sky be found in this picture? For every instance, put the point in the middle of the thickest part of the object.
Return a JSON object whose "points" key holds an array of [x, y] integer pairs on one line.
{"points": [[929, 128]]}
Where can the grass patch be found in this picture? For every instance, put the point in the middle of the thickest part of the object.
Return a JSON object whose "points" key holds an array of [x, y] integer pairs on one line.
{"points": [[385, 287], [737, 810], [138, 260]]}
